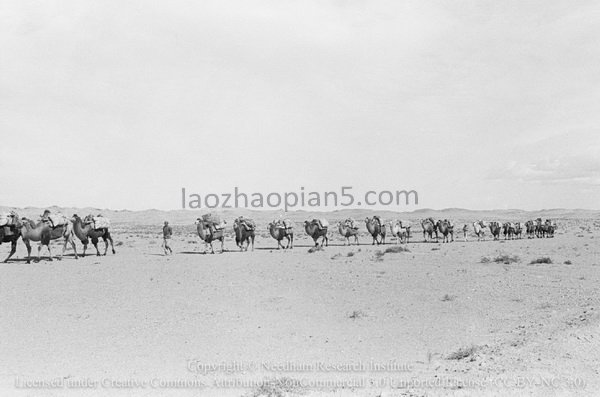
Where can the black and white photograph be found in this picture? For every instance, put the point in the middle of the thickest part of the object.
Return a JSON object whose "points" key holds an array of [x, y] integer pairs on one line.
{"points": [[281, 198]]}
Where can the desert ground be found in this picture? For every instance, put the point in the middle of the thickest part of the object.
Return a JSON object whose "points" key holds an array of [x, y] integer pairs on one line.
{"points": [[430, 319]]}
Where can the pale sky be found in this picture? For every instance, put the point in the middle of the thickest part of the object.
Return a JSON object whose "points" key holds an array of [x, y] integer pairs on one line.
{"points": [[474, 104]]}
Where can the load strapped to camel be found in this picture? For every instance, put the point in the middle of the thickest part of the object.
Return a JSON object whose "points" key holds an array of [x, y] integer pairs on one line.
{"points": [[8, 218], [248, 224], [378, 219], [321, 223], [286, 224], [9, 223], [213, 220], [100, 222], [349, 222], [55, 220]]}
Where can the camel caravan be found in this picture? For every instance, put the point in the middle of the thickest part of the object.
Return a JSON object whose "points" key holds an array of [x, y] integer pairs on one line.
{"points": [[400, 230], [53, 226], [211, 228], [515, 230]]}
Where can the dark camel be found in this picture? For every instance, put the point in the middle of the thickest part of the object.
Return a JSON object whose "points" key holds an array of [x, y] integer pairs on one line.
{"points": [[84, 230], [313, 230], [244, 233], [376, 229], [429, 228], [445, 229], [495, 228], [11, 238]]}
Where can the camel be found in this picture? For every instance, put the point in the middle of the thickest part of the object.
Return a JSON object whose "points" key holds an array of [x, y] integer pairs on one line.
{"points": [[495, 228], [279, 231], [530, 229], [244, 230], [478, 228], [347, 232], [11, 238], [84, 231], [401, 232], [508, 230], [208, 236], [541, 229], [313, 230], [44, 233], [376, 229], [446, 229], [545, 229], [518, 229], [429, 227]]}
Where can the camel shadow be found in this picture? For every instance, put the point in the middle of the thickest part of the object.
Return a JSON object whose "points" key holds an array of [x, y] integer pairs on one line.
{"points": [[199, 252]]}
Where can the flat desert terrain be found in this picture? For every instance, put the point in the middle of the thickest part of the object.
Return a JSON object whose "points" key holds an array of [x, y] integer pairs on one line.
{"points": [[458, 319]]}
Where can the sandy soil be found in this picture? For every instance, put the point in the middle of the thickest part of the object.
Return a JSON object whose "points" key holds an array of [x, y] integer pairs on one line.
{"points": [[138, 322]]}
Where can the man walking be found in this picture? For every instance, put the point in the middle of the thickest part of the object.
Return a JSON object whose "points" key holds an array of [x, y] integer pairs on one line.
{"points": [[167, 233]]}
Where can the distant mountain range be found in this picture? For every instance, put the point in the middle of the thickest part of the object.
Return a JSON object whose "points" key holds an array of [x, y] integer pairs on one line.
{"points": [[183, 217]]}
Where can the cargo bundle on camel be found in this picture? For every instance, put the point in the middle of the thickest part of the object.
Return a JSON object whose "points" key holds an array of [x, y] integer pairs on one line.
{"points": [[10, 231]]}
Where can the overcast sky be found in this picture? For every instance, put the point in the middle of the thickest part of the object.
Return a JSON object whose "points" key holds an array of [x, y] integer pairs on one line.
{"points": [[474, 104]]}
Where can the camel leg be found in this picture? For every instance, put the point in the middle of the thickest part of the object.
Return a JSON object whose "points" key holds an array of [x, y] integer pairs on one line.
{"points": [[85, 244], [13, 249], [112, 246], [49, 252], [74, 247], [63, 249], [252, 243], [105, 246], [28, 245], [95, 243], [39, 252], [96, 246]]}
